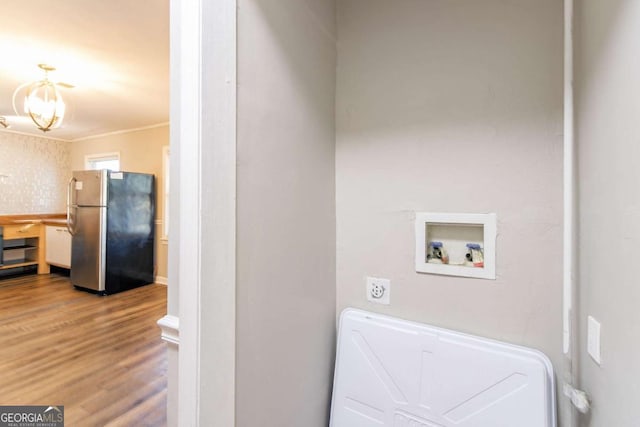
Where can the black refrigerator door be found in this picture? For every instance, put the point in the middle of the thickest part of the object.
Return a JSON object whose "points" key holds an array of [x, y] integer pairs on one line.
{"points": [[130, 231], [1, 246]]}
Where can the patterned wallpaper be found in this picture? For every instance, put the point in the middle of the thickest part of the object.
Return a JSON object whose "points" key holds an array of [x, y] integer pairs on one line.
{"points": [[33, 174]]}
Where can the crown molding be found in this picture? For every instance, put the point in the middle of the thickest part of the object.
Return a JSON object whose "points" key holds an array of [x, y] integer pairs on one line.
{"points": [[118, 132]]}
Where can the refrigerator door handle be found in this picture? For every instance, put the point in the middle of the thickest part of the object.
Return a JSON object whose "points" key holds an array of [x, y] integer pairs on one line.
{"points": [[69, 199]]}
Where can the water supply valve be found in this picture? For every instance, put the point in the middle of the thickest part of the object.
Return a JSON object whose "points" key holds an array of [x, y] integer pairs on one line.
{"points": [[474, 255], [437, 254]]}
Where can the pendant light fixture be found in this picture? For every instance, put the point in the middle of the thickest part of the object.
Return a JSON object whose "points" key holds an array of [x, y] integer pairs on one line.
{"points": [[43, 101]]}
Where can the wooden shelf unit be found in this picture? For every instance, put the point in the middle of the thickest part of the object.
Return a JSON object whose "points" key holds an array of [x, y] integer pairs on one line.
{"points": [[16, 264], [24, 245]]}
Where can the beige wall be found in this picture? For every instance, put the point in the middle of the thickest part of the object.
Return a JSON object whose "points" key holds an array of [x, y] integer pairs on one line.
{"points": [[607, 110], [285, 212], [33, 174], [140, 151], [453, 106]]}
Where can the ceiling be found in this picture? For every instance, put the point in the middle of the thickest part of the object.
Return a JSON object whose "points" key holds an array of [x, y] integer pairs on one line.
{"points": [[115, 53]]}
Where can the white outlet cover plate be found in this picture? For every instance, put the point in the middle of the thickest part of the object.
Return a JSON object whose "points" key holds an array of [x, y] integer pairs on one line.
{"points": [[393, 372], [593, 339], [372, 282]]}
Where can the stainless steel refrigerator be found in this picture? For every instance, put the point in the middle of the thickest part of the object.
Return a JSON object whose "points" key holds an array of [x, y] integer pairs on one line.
{"points": [[111, 217]]}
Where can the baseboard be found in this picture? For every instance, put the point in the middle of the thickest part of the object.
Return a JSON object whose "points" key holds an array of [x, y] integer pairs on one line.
{"points": [[170, 326], [160, 280]]}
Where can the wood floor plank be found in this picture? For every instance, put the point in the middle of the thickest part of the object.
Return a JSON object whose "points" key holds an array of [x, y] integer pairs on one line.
{"points": [[100, 357]]}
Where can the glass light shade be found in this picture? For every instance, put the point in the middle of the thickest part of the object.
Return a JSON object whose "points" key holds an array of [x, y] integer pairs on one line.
{"points": [[44, 104]]}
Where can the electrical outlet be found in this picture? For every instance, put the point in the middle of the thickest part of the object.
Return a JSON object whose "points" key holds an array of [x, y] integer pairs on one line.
{"points": [[379, 290]]}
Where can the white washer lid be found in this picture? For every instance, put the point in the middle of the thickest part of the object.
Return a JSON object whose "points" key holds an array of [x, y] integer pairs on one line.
{"points": [[393, 372]]}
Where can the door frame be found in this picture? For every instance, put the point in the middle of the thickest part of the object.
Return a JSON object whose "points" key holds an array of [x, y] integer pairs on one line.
{"points": [[203, 106]]}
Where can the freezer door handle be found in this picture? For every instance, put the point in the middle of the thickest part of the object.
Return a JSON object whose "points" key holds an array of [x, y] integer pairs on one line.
{"points": [[70, 189]]}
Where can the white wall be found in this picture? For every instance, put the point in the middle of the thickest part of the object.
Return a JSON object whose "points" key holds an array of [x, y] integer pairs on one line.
{"points": [[285, 212], [607, 110], [453, 106], [33, 174]]}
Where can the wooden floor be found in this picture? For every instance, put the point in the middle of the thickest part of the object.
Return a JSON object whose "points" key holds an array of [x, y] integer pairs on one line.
{"points": [[100, 357]]}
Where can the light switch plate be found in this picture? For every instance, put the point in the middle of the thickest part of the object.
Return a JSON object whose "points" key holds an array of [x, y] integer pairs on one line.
{"points": [[593, 339]]}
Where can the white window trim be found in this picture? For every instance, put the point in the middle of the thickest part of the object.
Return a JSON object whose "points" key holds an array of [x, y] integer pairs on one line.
{"points": [[89, 158]]}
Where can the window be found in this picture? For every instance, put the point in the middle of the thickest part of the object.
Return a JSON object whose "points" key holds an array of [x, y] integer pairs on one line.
{"points": [[110, 161], [165, 190]]}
